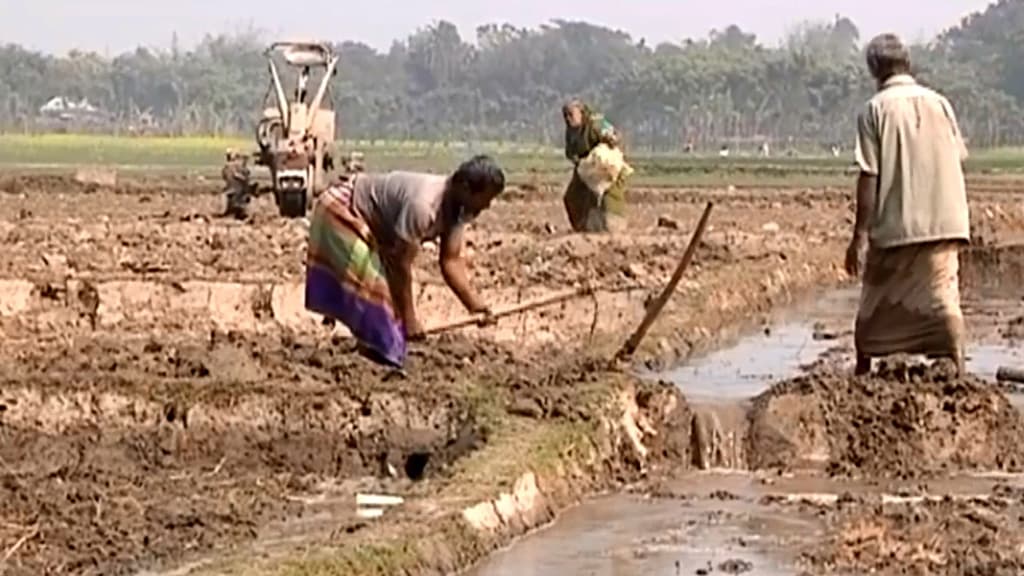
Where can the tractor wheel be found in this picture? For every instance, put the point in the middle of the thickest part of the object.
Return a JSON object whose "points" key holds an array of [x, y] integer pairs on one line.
{"points": [[292, 203]]}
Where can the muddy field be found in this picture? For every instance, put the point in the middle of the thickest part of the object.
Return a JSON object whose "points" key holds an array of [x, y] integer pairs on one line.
{"points": [[165, 397]]}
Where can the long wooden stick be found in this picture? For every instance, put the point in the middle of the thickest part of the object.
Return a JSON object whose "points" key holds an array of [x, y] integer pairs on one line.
{"points": [[551, 300], [658, 305]]}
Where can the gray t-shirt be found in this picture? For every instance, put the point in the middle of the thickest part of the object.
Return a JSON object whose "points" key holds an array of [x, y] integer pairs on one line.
{"points": [[400, 205]]}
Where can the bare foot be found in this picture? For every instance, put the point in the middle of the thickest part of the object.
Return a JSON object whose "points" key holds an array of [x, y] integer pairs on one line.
{"points": [[863, 366]]}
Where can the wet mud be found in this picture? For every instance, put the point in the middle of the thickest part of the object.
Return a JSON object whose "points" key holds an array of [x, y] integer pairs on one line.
{"points": [[978, 535], [821, 472], [904, 421]]}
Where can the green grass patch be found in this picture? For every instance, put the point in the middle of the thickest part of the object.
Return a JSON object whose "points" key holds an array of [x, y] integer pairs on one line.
{"points": [[77, 150], [534, 164]]}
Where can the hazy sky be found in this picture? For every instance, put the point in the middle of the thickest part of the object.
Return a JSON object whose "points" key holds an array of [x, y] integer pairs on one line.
{"points": [[113, 26]]}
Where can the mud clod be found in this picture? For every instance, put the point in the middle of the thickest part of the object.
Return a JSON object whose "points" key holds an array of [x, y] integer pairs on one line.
{"points": [[735, 567], [954, 537], [723, 495], [904, 421]]}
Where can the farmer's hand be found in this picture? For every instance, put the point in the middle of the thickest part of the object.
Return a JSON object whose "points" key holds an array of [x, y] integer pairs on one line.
{"points": [[855, 255], [486, 317]]}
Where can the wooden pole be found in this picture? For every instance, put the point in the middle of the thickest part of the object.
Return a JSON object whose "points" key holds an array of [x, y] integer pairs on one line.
{"points": [[631, 345], [550, 300]]}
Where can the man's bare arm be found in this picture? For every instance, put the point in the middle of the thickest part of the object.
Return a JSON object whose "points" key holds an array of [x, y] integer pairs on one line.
{"points": [[453, 268], [399, 271], [867, 187]]}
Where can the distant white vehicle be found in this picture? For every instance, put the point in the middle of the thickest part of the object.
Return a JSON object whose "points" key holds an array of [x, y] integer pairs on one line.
{"points": [[63, 104]]}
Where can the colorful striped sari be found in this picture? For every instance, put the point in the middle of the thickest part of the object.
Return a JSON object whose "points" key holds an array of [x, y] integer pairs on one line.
{"points": [[346, 279]]}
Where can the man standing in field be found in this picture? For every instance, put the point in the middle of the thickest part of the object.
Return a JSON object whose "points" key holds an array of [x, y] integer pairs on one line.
{"points": [[912, 216], [236, 184]]}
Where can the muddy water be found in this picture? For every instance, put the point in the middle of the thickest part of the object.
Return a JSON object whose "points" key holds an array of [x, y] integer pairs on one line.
{"points": [[775, 351], [798, 336], [719, 385], [627, 535], [724, 517], [706, 523]]}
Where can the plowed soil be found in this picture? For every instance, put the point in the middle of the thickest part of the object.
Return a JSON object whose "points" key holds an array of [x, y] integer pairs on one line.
{"points": [[163, 393]]}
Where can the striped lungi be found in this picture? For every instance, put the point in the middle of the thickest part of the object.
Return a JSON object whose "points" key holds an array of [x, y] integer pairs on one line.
{"points": [[346, 278]]}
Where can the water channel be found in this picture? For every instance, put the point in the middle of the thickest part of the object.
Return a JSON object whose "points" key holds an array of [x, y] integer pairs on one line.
{"points": [[717, 520]]}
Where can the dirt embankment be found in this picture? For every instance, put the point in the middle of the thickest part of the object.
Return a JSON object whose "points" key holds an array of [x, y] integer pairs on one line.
{"points": [[904, 421], [127, 455], [121, 456]]}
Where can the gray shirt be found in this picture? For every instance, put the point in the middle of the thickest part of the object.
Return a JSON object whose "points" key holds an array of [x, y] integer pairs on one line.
{"points": [[401, 205]]}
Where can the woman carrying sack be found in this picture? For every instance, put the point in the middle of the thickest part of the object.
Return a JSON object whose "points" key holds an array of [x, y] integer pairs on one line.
{"points": [[590, 210]]}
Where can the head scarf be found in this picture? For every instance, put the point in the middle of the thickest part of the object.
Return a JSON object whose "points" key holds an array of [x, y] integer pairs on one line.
{"points": [[579, 140]]}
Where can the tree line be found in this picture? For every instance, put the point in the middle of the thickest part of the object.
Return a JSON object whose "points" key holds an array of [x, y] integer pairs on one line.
{"points": [[509, 82]]}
